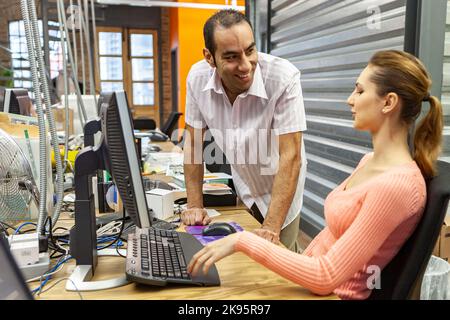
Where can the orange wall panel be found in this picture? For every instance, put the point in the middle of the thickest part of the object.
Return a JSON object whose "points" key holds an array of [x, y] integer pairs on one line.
{"points": [[190, 42], [173, 16]]}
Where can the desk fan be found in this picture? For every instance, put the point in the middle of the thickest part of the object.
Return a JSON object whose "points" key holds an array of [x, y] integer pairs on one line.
{"points": [[17, 185]]}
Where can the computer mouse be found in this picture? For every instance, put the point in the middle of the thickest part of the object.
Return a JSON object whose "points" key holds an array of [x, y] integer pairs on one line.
{"points": [[154, 148], [218, 229], [158, 136]]}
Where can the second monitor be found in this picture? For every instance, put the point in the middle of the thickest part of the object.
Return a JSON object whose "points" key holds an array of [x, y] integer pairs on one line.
{"points": [[154, 256]]}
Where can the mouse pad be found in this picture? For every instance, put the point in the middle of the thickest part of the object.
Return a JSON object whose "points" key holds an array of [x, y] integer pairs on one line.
{"points": [[196, 231]]}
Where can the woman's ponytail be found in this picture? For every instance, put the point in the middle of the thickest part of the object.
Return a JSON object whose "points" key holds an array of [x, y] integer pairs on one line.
{"points": [[428, 138]]}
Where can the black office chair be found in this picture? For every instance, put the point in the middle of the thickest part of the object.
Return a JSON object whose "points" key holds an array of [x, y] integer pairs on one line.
{"points": [[399, 278], [144, 124], [223, 165], [171, 123]]}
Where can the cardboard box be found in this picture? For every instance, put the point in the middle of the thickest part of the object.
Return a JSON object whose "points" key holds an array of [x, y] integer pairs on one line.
{"points": [[442, 247], [60, 116], [89, 105]]}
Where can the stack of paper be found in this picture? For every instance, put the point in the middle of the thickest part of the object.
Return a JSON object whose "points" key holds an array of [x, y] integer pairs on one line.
{"points": [[216, 189], [209, 178], [218, 177]]}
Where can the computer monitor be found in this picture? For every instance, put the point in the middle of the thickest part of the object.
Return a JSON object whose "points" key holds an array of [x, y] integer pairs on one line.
{"points": [[122, 160], [116, 153], [12, 283], [2, 97], [16, 101]]}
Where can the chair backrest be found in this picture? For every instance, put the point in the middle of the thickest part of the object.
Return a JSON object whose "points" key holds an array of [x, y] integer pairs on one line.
{"points": [[399, 277], [144, 124], [171, 123], [223, 164]]}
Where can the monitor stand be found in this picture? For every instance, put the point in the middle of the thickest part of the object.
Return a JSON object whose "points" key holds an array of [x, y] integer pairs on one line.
{"points": [[80, 280], [83, 235]]}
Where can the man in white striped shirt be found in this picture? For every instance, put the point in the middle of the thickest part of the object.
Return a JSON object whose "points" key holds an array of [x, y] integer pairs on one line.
{"points": [[253, 105]]}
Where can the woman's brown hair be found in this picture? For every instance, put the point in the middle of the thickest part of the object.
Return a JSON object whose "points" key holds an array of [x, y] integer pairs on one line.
{"points": [[402, 73]]}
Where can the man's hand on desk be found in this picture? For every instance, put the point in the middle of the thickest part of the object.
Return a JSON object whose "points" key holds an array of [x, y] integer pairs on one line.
{"points": [[195, 216], [268, 234]]}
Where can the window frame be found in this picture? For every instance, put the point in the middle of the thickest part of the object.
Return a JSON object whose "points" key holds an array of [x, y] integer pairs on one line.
{"points": [[151, 111], [18, 82]]}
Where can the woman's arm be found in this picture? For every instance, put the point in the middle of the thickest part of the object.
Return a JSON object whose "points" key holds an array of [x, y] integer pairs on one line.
{"points": [[385, 207], [318, 240]]}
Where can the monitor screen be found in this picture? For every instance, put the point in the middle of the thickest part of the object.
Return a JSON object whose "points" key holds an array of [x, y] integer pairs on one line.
{"points": [[17, 101], [122, 159], [12, 283]]}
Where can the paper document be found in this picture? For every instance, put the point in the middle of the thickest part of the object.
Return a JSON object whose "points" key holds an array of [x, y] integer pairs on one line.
{"points": [[159, 162], [208, 178], [212, 213], [216, 175], [216, 189]]}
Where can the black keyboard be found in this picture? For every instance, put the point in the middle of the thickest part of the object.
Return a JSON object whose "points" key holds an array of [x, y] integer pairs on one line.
{"points": [[164, 225], [158, 257], [156, 224]]}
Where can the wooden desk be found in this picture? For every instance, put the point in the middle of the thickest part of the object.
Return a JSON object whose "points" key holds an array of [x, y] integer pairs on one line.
{"points": [[241, 279], [168, 146]]}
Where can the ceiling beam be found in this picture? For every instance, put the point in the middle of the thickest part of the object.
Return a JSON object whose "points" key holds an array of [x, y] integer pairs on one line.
{"points": [[148, 3]]}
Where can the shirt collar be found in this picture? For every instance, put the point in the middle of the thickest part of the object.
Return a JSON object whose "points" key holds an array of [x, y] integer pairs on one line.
{"points": [[257, 88], [214, 83]]}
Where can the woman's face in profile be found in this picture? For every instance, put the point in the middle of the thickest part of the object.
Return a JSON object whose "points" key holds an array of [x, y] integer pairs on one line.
{"points": [[365, 103]]}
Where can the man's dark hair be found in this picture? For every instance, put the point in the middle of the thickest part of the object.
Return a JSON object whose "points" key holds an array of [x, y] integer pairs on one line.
{"points": [[225, 18]]}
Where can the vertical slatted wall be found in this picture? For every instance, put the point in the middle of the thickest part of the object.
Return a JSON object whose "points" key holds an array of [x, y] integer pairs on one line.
{"points": [[330, 42], [446, 88]]}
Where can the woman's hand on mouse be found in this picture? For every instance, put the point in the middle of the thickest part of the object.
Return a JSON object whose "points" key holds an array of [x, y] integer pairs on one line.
{"points": [[195, 216], [212, 253]]}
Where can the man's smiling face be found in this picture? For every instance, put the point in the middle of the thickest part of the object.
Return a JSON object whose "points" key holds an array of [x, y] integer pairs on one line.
{"points": [[235, 56]]}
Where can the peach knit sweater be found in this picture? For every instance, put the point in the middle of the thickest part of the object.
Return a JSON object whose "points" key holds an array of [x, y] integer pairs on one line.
{"points": [[366, 226]]}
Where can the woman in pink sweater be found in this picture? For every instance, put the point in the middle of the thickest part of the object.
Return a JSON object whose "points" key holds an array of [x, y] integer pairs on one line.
{"points": [[374, 211]]}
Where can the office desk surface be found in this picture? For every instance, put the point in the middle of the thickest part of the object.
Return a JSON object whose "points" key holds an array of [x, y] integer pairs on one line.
{"points": [[168, 146], [241, 278]]}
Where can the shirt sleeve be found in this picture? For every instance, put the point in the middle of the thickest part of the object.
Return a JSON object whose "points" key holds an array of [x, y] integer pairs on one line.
{"points": [[384, 209], [289, 114], [194, 117]]}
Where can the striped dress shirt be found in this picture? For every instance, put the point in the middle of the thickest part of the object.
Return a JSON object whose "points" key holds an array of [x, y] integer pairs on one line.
{"points": [[247, 131]]}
